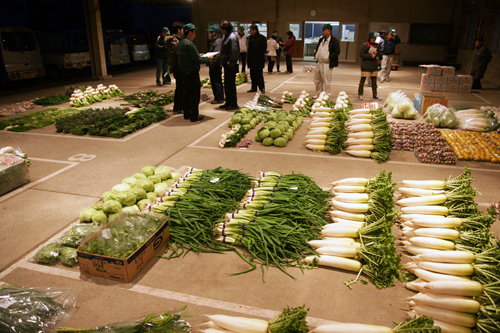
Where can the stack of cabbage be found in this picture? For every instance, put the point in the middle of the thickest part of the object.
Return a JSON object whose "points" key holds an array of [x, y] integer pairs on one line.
{"points": [[441, 116], [360, 239], [455, 256], [400, 105], [278, 128], [241, 122]]}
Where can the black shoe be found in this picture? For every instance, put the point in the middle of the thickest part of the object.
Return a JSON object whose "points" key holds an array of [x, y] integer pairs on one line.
{"points": [[223, 106], [177, 111], [231, 108], [200, 118], [251, 90], [216, 101], [167, 83], [377, 98], [158, 84], [263, 91]]}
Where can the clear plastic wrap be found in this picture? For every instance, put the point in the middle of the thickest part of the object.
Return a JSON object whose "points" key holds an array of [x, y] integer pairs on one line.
{"points": [[483, 120], [441, 116], [400, 106], [33, 309]]}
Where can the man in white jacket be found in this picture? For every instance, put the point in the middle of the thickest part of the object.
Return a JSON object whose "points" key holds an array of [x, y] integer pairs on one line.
{"points": [[327, 57], [242, 38]]}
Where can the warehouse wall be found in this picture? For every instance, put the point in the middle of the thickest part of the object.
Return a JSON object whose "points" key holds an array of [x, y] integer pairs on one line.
{"points": [[279, 13], [491, 75]]}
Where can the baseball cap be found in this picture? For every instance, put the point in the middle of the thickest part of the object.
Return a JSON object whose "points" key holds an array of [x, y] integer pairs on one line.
{"points": [[189, 27], [480, 38], [327, 26], [165, 29], [373, 34], [213, 28], [392, 30], [242, 28]]}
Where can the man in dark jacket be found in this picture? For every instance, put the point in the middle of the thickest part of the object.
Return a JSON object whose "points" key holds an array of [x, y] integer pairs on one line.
{"points": [[387, 48], [229, 55], [482, 57], [370, 57], [327, 57], [215, 68], [257, 47], [174, 67], [189, 61], [162, 57]]}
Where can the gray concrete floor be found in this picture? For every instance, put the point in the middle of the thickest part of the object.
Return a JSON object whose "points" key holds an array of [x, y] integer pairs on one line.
{"points": [[63, 183]]}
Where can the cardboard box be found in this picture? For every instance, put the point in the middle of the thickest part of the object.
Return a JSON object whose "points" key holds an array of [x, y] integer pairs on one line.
{"points": [[123, 270], [428, 86], [465, 79], [433, 70], [465, 88], [429, 98], [452, 87], [13, 172], [440, 87], [441, 79], [453, 80], [428, 78], [448, 70]]}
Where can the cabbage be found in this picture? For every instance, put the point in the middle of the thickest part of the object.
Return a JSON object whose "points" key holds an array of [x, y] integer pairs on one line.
{"points": [[146, 184], [86, 214], [98, 205], [155, 179], [151, 195], [121, 188], [160, 189], [175, 176], [112, 207], [257, 137], [148, 170], [163, 172], [264, 133], [168, 182], [100, 217], [110, 195], [128, 199], [280, 141], [130, 181], [131, 210], [275, 133], [396, 113], [139, 175], [144, 202], [112, 217], [139, 193], [268, 141], [412, 114]]}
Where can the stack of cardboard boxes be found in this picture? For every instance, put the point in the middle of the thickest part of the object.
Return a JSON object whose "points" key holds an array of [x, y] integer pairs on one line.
{"points": [[443, 79]]}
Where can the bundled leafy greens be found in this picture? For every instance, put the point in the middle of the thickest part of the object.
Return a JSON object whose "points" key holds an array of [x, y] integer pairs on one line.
{"points": [[35, 120], [148, 98], [337, 133], [52, 100]]}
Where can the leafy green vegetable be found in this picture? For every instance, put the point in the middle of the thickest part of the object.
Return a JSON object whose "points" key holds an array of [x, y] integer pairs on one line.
{"points": [[49, 254], [52, 100], [163, 172], [100, 217], [86, 214], [290, 321], [112, 207], [35, 120], [421, 324], [77, 233], [68, 256], [149, 98], [148, 170]]}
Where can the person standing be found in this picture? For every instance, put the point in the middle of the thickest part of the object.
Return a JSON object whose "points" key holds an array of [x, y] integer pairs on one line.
{"points": [[189, 66], [174, 67], [215, 68], [242, 39], [387, 48], [480, 61], [272, 48], [370, 56], [162, 57], [230, 52], [257, 47], [289, 51], [327, 57], [279, 50]]}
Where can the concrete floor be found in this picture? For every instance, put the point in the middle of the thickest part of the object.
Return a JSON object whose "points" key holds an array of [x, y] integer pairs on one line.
{"points": [[69, 173]]}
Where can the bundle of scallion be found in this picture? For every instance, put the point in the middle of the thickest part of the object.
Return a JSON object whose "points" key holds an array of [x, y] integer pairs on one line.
{"points": [[360, 238], [369, 134], [455, 258], [276, 219]]}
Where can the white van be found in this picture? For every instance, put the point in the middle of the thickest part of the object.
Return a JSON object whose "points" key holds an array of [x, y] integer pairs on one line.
{"points": [[20, 55], [139, 48], [117, 48]]}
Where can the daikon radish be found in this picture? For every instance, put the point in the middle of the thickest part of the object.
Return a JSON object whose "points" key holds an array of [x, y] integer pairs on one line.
{"points": [[447, 268], [359, 153], [315, 142], [447, 302], [315, 147], [358, 121], [321, 130], [316, 136], [360, 128], [409, 217], [450, 328], [352, 197], [359, 111], [417, 285], [351, 181], [416, 250], [452, 317], [348, 189], [360, 116], [240, 324], [361, 147], [336, 262], [340, 221], [431, 276], [354, 142], [341, 231], [317, 243], [454, 287], [432, 243], [338, 251], [430, 210], [457, 257], [423, 201], [347, 216], [441, 233], [449, 222], [351, 328], [410, 191], [361, 135], [425, 184], [350, 207]]}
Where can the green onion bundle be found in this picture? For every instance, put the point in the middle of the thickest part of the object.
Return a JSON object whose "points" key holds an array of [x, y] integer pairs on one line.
{"points": [[337, 134]]}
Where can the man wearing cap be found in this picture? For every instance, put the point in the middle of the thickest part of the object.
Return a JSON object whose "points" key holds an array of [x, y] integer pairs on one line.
{"points": [[257, 46], [189, 61], [229, 55], [387, 48], [215, 68], [242, 39], [162, 57], [327, 57], [482, 57], [370, 57]]}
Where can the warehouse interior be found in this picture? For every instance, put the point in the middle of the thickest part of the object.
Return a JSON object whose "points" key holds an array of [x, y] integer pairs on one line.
{"points": [[69, 173]]}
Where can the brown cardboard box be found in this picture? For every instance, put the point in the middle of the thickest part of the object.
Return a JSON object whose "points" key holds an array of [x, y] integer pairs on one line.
{"points": [[428, 98], [440, 87], [123, 270]]}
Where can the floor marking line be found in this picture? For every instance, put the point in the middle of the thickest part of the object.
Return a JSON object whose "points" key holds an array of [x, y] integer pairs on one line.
{"points": [[348, 158], [479, 96], [207, 134], [282, 83]]}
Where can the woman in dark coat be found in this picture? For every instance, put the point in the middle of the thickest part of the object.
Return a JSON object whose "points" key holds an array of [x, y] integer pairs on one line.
{"points": [[371, 56]]}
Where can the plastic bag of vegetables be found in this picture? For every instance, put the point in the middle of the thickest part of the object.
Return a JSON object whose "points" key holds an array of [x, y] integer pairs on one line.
{"points": [[404, 109], [441, 116], [393, 99]]}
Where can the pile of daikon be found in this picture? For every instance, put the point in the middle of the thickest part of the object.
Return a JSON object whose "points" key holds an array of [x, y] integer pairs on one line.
{"points": [[369, 134], [360, 239], [456, 259]]}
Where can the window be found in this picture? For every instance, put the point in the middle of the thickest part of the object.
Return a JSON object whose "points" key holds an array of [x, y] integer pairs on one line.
{"points": [[19, 41], [348, 32], [296, 28]]}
